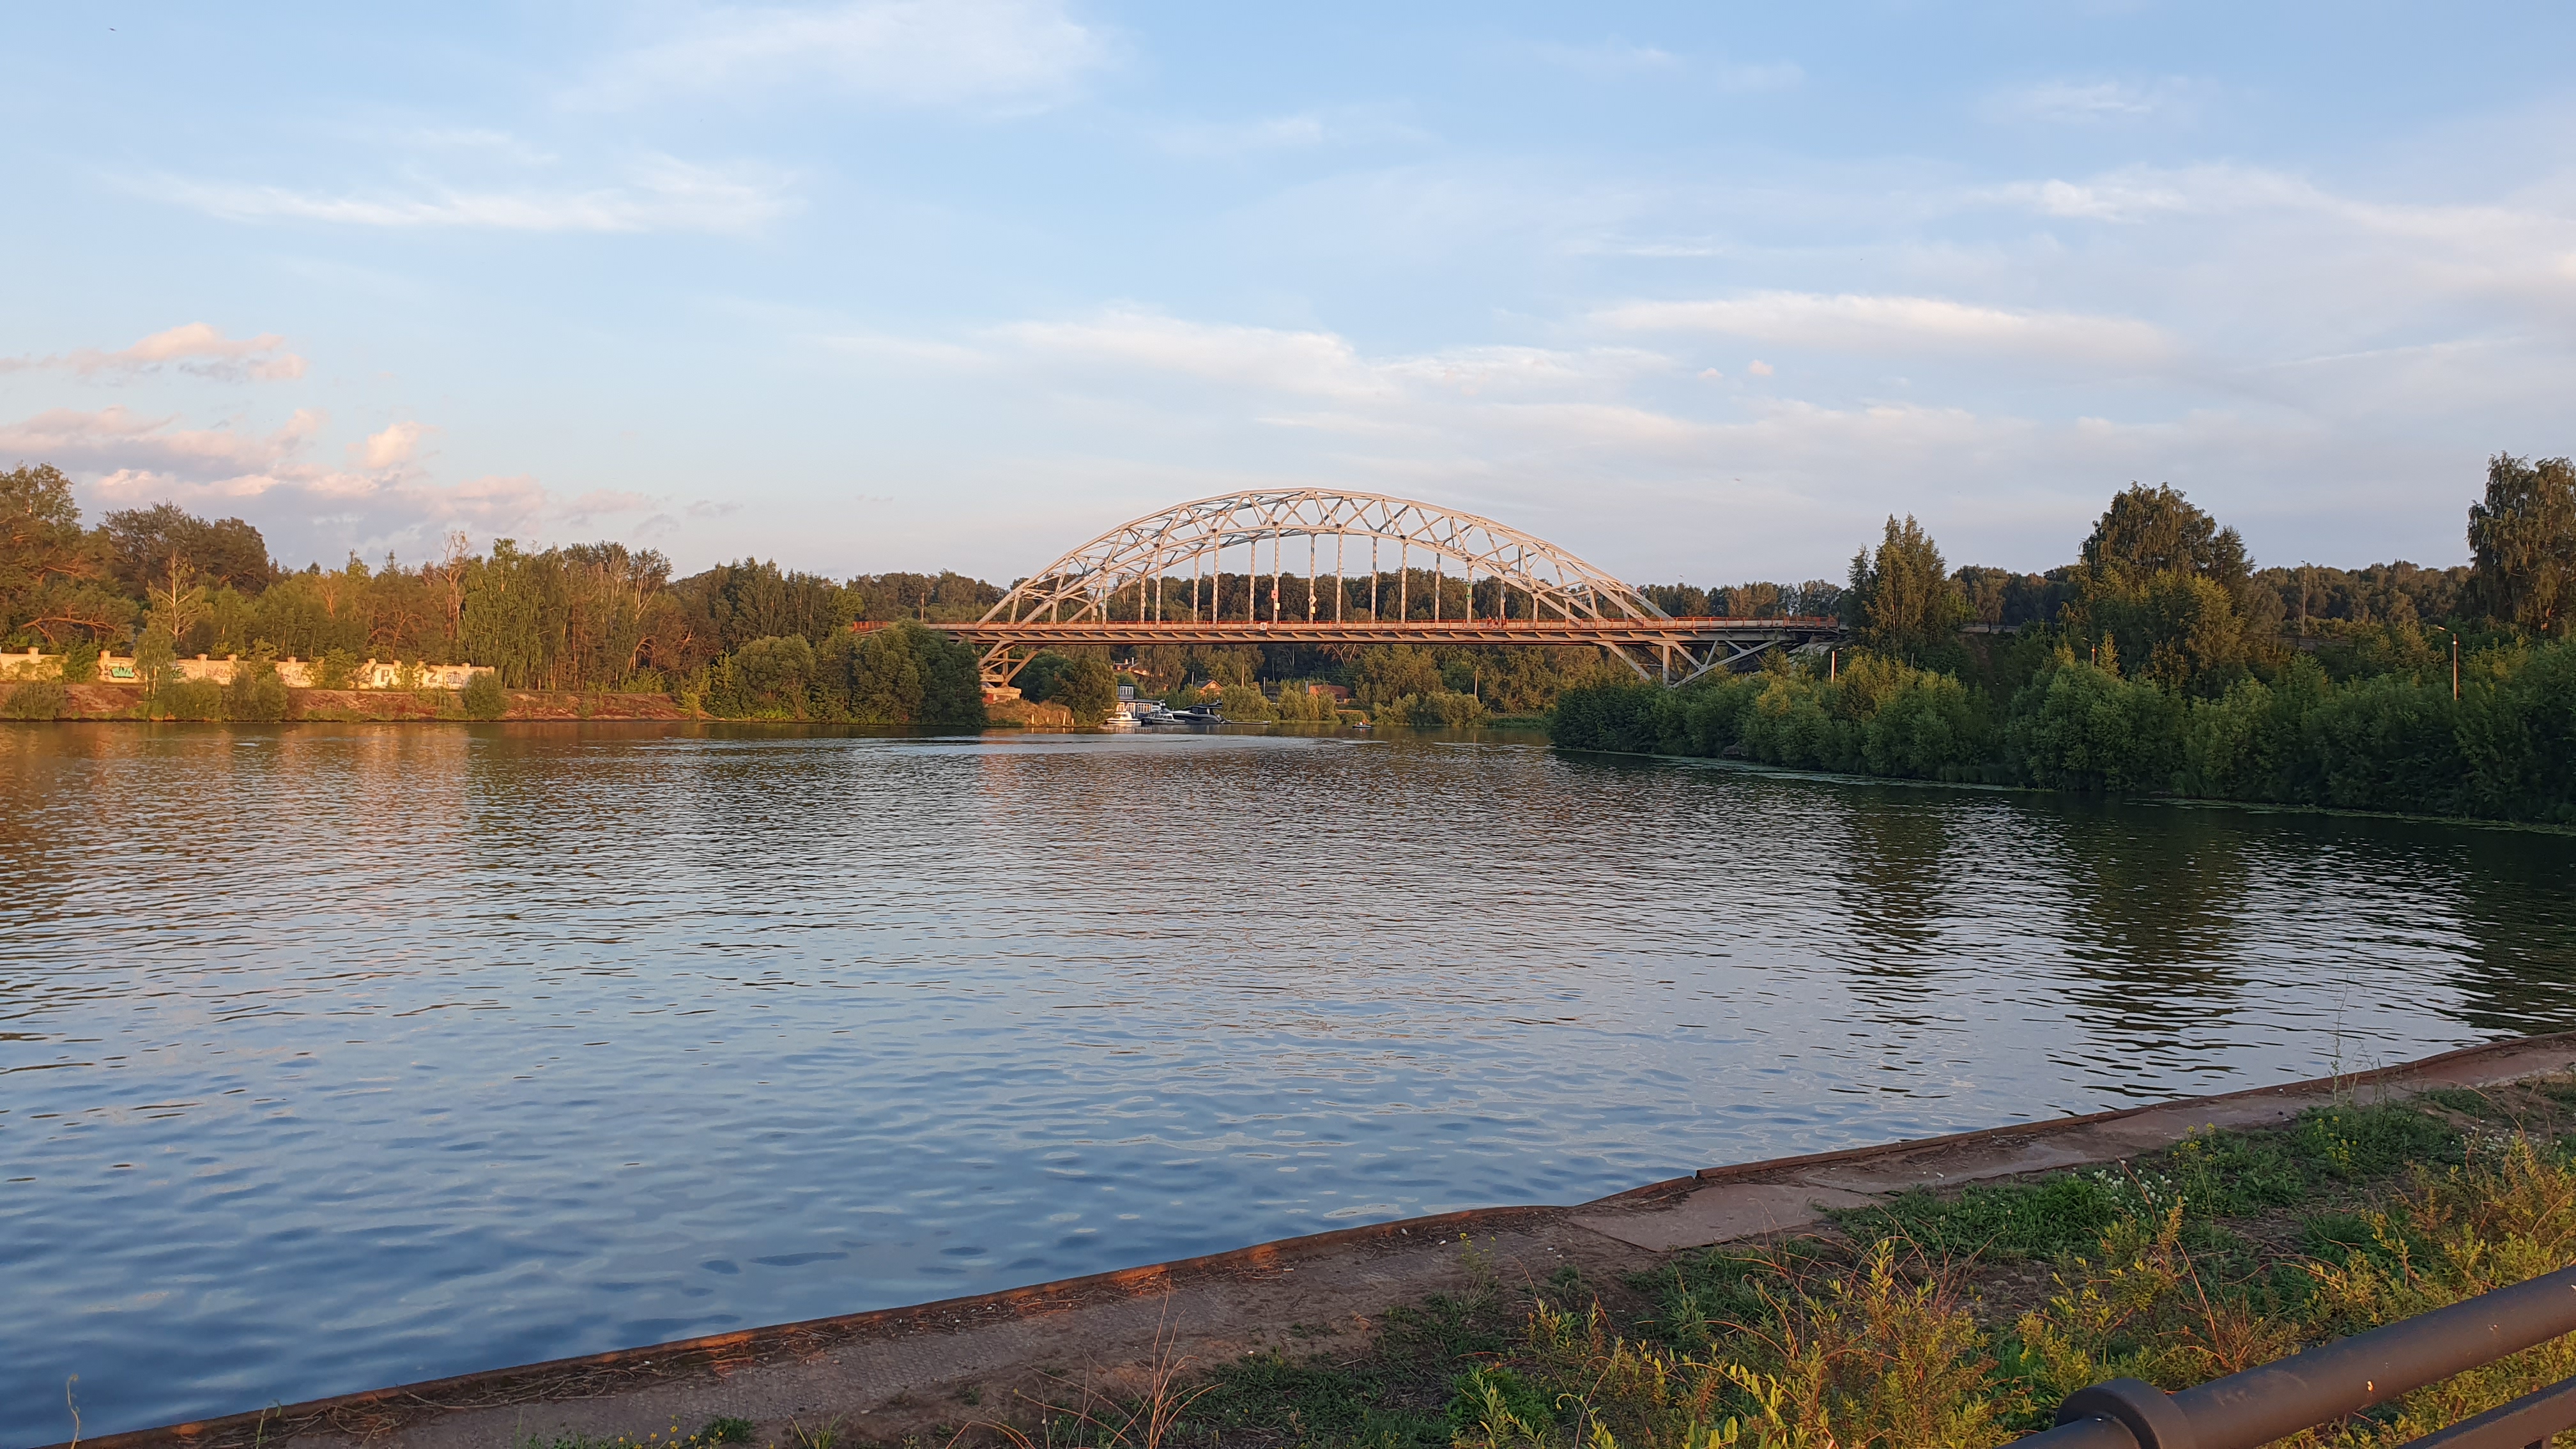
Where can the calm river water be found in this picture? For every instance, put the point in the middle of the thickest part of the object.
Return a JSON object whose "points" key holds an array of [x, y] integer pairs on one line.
{"points": [[338, 1056]]}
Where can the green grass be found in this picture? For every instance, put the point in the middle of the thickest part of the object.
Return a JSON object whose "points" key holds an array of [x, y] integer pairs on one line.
{"points": [[2212, 1175]]}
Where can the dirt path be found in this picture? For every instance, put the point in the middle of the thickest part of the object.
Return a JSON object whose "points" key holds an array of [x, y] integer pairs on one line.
{"points": [[888, 1374]]}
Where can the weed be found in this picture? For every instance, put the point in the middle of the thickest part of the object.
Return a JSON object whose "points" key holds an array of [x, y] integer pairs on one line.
{"points": [[1145, 1421], [2211, 1175], [1497, 1406], [821, 1436], [717, 1431], [2464, 1101]]}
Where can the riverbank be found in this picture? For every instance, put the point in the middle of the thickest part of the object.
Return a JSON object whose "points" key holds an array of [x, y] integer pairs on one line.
{"points": [[108, 702], [1378, 1332]]}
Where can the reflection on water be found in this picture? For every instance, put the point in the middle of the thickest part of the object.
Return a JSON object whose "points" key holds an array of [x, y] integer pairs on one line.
{"points": [[333, 1056]]}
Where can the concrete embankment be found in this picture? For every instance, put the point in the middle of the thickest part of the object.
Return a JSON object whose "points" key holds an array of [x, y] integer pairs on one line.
{"points": [[886, 1374]]}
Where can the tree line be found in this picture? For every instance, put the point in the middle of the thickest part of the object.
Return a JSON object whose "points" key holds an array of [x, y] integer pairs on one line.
{"points": [[2163, 662], [591, 617], [2095, 674]]}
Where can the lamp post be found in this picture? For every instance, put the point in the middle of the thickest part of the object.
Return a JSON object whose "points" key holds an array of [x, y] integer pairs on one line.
{"points": [[2455, 661]]}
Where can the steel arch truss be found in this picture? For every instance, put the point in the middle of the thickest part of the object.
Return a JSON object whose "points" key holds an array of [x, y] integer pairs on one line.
{"points": [[1130, 575]]}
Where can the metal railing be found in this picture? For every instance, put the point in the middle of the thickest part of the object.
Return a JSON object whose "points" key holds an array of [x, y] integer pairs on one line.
{"points": [[2343, 1378]]}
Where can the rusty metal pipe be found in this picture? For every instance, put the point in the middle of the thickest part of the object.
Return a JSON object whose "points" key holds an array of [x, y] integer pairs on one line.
{"points": [[2323, 1384]]}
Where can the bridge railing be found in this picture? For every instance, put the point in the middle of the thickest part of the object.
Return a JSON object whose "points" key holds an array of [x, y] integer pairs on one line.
{"points": [[2340, 1379]]}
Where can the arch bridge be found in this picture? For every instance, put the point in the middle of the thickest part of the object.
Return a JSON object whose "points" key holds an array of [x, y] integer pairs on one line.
{"points": [[1430, 576]]}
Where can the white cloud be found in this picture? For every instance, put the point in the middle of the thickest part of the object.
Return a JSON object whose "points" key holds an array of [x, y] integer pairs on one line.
{"points": [[1617, 59], [2070, 102], [1320, 364], [1881, 324], [393, 447], [2297, 253], [1008, 55], [1312, 363], [656, 193], [125, 459], [1610, 57], [195, 347], [601, 503], [1338, 126]]}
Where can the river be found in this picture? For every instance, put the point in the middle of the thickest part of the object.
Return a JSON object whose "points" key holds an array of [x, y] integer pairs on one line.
{"points": [[334, 1056]]}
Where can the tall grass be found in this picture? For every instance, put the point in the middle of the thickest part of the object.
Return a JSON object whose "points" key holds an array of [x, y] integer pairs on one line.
{"points": [[1801, 1346]]}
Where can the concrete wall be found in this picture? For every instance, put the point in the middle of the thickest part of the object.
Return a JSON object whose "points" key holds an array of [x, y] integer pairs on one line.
{"points": [[297, 673]]}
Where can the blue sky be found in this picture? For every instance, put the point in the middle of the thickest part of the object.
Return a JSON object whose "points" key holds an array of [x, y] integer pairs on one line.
{"points": [[1696, 292]]}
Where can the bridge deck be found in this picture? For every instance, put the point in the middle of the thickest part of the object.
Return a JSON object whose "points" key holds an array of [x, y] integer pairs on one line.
{"points": [[1679, 633]]}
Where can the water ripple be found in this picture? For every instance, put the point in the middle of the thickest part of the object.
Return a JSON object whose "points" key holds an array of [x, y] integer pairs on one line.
{"points": [[335, 1056]]}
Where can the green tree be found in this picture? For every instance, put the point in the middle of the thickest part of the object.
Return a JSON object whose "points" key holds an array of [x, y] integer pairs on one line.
{"points": [[2523, 534], [1901, 600], [2175, 590], [55, 579], [152, 544], [153, 656], [2150, 531], [1384, 673], [1039, 679], [905, 674], [1089, 689], [80, 661]]}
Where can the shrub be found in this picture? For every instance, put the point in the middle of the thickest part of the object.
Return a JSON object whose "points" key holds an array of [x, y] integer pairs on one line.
{"points": [[2083, 727], [1609, 716], [1928, 726], [1300, 705], [2388, 743], [1790, 724], [36, 699], [1438, 710], [483, 697], [334, 669], [905, 673], [80, 661], [256, 692], [2222, 744], [767, 678], [1244, 704], [190, 699]]}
